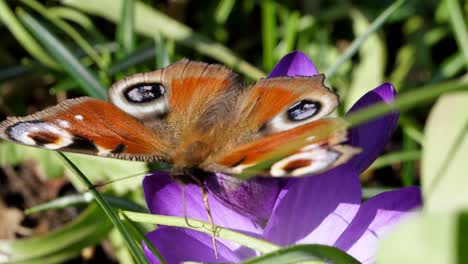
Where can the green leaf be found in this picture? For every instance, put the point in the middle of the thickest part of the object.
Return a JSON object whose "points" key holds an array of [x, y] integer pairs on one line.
{"points": [[64, 56], [125, 32], [303, 253], [444, 159], [427, 238], [61, 244], [149, 21], [23, 36], [369, 72]]}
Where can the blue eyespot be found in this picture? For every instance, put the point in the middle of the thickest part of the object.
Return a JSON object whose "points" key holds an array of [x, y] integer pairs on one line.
{"points": [[142, 93], [303, 109]]}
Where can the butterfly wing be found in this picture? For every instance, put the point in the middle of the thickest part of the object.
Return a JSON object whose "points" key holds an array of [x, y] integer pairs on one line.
{"points": [[305, 150], [187, 90], [279, 104], [89, 126], [287, 136]]}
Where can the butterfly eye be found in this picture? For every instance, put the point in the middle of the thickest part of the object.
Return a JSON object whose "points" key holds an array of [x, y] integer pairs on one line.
{"points": [[303, 109], [143, 93]]}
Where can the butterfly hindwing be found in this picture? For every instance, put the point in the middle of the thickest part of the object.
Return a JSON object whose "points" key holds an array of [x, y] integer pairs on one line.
{"points": [[86, 125], [304, 150]]}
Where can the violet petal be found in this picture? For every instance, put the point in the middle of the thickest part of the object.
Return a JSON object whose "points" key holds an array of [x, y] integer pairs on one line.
{"points": [[372, 136], [374, 218], [164, 196], [295, 63], [305, 203], [177, 245]]}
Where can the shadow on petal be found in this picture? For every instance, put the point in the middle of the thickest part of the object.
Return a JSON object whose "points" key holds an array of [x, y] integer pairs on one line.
{"points": [[254, 198]]}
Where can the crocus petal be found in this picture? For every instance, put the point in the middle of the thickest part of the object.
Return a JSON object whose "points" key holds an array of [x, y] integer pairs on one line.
{"points": [[304, 204], [295, 63], [376, 217], [177, 245], [372, 136], [164, 196], [254, 198]]}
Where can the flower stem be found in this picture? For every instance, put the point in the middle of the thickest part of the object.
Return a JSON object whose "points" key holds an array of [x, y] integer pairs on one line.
{"points": [[201, 226]]}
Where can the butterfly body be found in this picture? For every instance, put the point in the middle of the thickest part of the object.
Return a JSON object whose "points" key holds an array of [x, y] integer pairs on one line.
{"points": [[199, 118]]}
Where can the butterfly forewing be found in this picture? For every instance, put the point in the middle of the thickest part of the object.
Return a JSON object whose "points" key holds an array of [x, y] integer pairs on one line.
{"points": [[89, 126]]}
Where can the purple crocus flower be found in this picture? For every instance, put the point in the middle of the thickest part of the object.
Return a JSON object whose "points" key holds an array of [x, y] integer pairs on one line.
{"points": [[324, 209]]}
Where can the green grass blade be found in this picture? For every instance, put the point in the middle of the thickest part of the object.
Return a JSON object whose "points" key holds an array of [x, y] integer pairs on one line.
{"points": [[141, 55], [369, 71], [70, 14], [111, 214], [84, 199], [223, 9], [161, 51], [408, 167], [412, 128], [405, 101], [291, 32], [140, 236], [303, 254], [69, 30], [23, 36], [269, 37], [125, 31], [63, 55], [201, 226], [354, 47], [395, 157], [459, 26], [149, 21]]}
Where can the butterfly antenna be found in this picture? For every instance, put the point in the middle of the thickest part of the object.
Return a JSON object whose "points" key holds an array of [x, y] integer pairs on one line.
{"points": [[99, 185], [210, 219]]}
